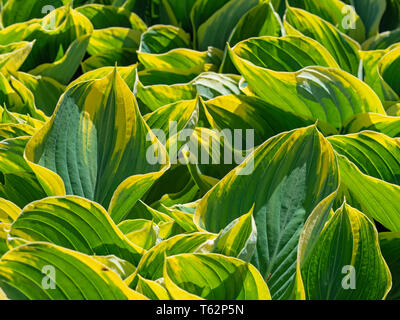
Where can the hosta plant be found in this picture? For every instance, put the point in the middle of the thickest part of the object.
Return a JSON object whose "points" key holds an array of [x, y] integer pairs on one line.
{"points": [[200, 149]]}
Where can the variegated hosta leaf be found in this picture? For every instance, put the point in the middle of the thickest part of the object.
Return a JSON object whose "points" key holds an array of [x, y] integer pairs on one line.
{"points": [[177, 13], [361, 191], [183, 219], [121, 267], [213, 277], [338, 13], [373, 77], [168, 122], [261, 20], [121, 57], [161, 39], [114, 38], [240, 112], [151, 289], [97, 144], [106, 16], [375, 154], [388, 125], [388, 68], [218, 28], [208, 85], [151, 265], [341, 47], [382, 41], [285, 178], [16, 11], [17, 98], [346, 263], [328, 95], [8, 211], [290, 53], [64, 69], [53, 35], [238, 239], [46, 91], [390, 246], [371, 13], [183, 63], [142, 233], [75, 223], [29, 271], [18, 182], [13, 55], [15, 130], [126, 73]]}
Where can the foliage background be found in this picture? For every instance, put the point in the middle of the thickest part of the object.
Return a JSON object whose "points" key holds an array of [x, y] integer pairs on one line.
{"points": [[84, 214]]}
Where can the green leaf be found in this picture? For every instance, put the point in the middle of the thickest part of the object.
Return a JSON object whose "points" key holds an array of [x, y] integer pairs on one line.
{"points": [[104, 16], [218, 28], [18, 98], [183, 219], [285, 178], [337, 13], [9, 131], [23, 272], [371, 121], [382, 40], [18, 182], [208, 85], [120, 57], [328, 95], [213, 277], [360, 191], [371, 12], [100, 140], [127, 73], [121, 267], [346, 262], [375, 154], [46, 91], [185, 62], [390, 244], [340, 46], [262, 20], [64, 69], [50, 39], [108, 39], [290, 53], [8, 211], [16, 11], [251, 113], [151, 289], [161, 39], [373, 77], [388, 68], [177, 12], [74, 223], [13, 55], [238, 239], [142, 233], [151, 265], [168, 122]]}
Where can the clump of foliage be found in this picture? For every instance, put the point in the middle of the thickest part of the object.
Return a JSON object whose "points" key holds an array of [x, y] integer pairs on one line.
{"points": [[310, 211]]}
